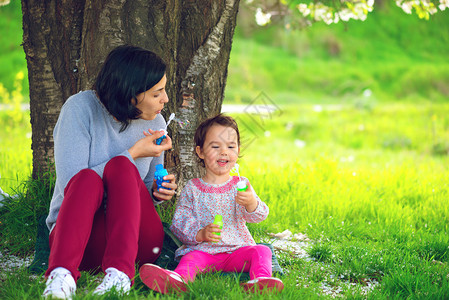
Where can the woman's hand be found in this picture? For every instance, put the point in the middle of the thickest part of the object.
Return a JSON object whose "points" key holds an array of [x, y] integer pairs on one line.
{"points": [[247, 199], [207, 234], [164, 194], [146, 146]]}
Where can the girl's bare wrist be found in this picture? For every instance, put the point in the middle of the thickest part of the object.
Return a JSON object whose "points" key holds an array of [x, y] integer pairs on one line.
{"points": [[252, 207]]}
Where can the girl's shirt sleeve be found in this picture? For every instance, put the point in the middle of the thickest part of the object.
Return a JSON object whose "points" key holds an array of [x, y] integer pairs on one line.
{"points": [[185, 224]]}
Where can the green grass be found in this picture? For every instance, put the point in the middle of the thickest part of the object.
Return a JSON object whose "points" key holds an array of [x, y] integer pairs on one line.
{"points": [[15, 150], [368, 188]]}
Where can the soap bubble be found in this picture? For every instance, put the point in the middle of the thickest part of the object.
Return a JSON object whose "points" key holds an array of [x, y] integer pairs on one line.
{"points": [[184, 124], [156, 250]]}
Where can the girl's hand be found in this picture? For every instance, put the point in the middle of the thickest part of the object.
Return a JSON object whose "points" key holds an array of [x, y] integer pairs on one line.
{"points": [[146, 146], [207, 234], [164, 194], [247, 199]]}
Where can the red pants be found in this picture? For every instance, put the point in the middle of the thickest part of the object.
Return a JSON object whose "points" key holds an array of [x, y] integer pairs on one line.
{"points": [[87, 236], [253, 259]]}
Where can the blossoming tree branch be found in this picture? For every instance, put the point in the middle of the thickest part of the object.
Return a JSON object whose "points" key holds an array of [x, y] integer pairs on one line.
{"points": [[334, 11]]}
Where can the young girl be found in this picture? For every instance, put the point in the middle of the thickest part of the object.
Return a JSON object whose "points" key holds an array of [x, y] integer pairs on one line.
{"points": [[217, 145]]}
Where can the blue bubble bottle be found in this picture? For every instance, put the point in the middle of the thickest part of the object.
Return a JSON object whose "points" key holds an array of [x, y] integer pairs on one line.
{"points": [[159, 176]]}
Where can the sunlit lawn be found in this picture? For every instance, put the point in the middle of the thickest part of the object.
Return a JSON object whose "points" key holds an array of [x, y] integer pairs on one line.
{"points": [[368, 185], [15, 150]]}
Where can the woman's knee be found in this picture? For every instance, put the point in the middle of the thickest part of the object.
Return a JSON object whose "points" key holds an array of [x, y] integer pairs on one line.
{"points": [[86, 179], [119, 165]]}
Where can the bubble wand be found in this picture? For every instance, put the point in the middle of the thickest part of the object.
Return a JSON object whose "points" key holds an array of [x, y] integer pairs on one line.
{"points": [[241, 185], [159, 140]]}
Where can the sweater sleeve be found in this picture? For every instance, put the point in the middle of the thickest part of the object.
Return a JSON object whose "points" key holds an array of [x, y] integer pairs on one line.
{"points": [[72, 143], [185, 224]]}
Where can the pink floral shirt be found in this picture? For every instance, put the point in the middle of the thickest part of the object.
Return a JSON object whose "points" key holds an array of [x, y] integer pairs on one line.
{"points": [[197, 206]]}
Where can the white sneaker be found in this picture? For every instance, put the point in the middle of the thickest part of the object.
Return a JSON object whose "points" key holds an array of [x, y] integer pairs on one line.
{"points": [[60, 284], [114, 280]]}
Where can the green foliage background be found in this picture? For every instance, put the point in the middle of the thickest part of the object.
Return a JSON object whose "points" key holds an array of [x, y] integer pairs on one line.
{"points": [[395, 55], [12, 58]]}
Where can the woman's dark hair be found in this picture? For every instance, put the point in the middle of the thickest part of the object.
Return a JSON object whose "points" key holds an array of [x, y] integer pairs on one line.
{"points": [[203, 128], [127, 72]]}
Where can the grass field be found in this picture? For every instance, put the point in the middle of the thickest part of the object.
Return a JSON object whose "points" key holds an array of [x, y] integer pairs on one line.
{"points": [[368, 185], [15, 138]]}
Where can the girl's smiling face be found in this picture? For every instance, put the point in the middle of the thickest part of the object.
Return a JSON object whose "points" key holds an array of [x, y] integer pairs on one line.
{"points": [[219, 152]]}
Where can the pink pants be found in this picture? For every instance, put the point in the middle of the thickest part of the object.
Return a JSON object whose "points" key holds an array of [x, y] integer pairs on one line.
{"points": [[86, 236], [253, 259]]}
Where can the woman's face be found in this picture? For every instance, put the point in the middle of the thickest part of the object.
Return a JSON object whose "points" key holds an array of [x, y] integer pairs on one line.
{"points": [[151, 102]]}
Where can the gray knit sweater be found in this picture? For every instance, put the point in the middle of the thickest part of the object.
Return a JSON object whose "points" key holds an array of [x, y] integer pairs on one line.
{"points": [[87, 136]]}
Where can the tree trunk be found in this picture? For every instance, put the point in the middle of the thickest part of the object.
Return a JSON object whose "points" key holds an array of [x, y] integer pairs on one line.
{"points": [[66, 42]]}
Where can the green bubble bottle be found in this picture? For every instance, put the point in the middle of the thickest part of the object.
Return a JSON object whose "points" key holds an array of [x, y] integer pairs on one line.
{"points": [[218, 221], [241, 186]]}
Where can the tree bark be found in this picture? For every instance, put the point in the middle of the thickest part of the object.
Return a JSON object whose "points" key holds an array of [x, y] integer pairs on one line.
{"points": [[66, 41]]}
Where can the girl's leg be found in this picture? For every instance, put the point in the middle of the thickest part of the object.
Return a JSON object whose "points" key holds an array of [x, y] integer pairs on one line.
{"points": [[253, 259], [83, 196], [257, 261], [132, 224], [196, 262]]}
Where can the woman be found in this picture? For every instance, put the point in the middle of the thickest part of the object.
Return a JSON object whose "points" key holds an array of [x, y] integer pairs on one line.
{"points": [[105, 157]]}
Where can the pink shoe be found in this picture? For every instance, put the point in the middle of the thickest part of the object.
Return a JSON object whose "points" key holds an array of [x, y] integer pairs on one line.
{"points": [[161, 280], [263, 284]]}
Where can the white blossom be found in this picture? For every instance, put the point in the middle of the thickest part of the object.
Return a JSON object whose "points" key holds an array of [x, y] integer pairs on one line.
{"points": [[304, 9], [423, 8], [358, 10], [443, 4], [262, 18]]}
